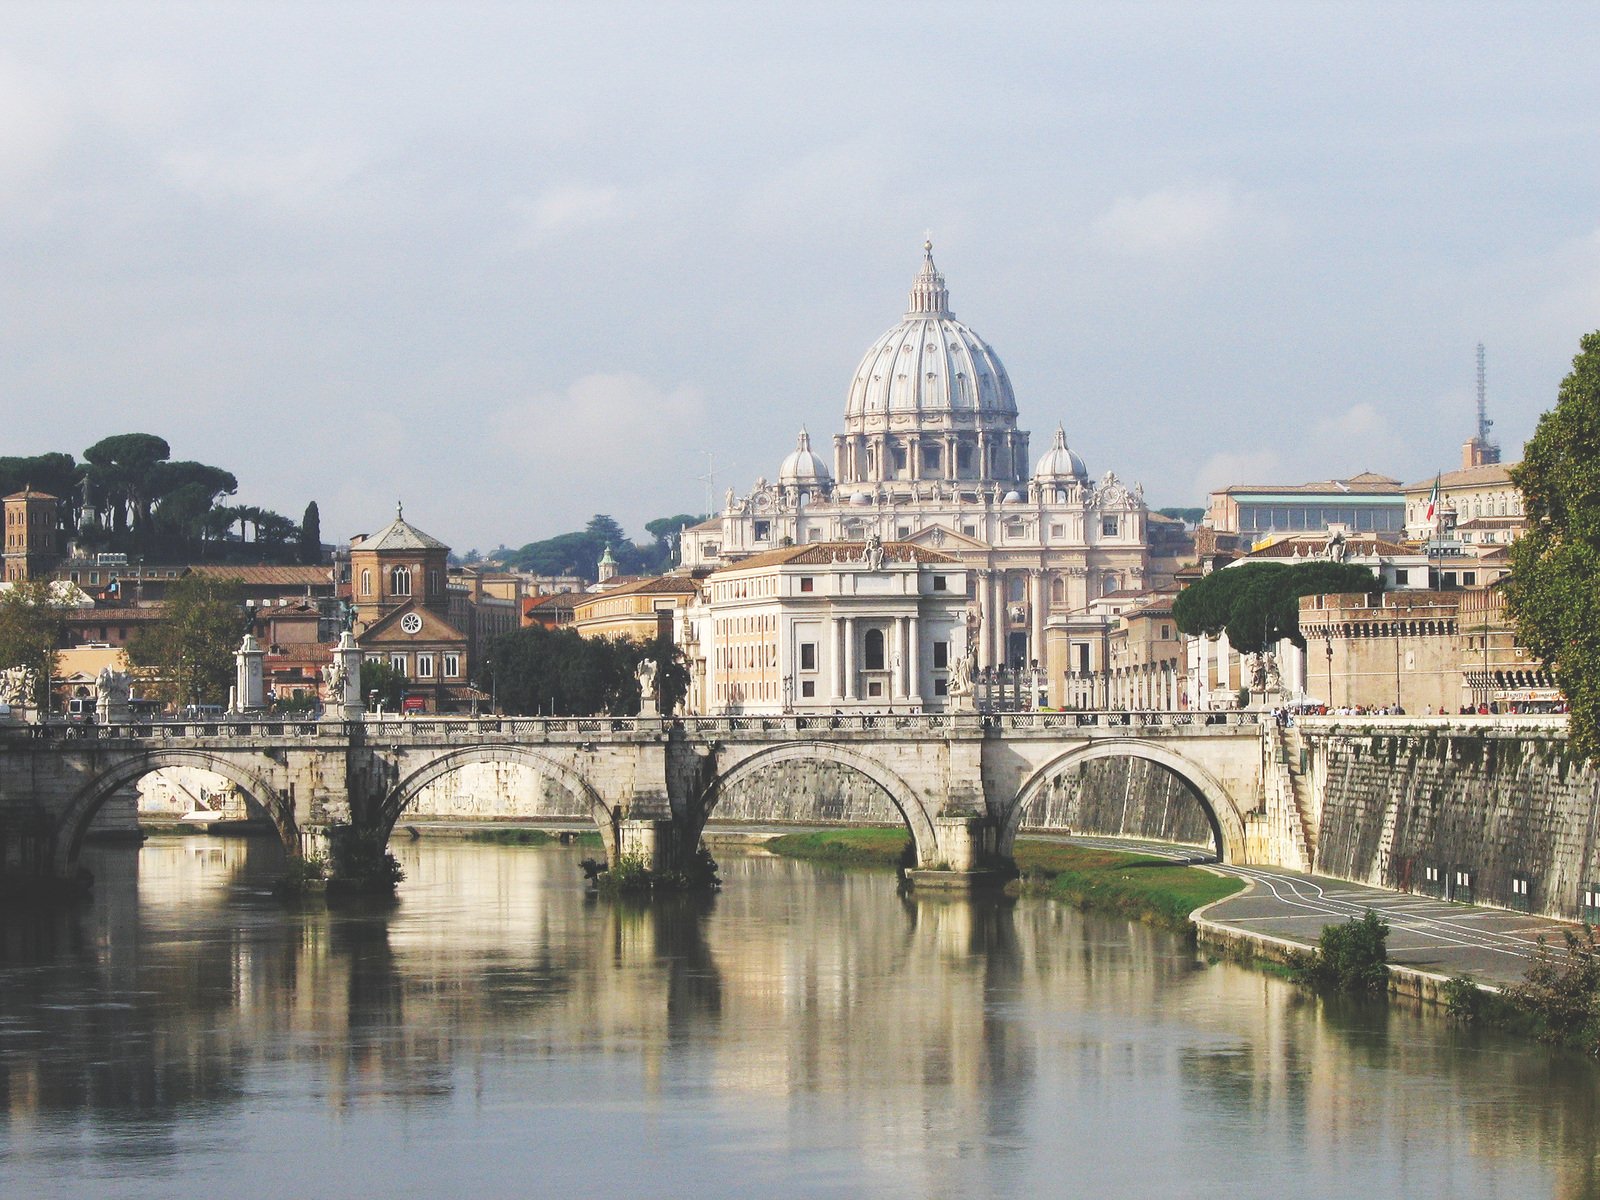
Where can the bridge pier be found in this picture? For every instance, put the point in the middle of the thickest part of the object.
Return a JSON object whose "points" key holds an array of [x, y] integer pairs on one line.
{"points": [[28, 860], [968, 856]]}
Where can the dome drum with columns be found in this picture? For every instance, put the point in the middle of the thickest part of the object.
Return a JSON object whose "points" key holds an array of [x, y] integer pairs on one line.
{"points": [[931, 454]]}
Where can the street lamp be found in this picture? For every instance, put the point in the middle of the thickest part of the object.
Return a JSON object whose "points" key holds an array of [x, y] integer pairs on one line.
{"points": [[1328, 643]]}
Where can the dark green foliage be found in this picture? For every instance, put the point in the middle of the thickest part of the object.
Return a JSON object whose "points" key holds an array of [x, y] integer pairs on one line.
{"points": [[1258, 603], [362, 864], [557, 672], [1562, 991], [1352, 957], [302, 875], [579, 553], [191, 651], [56, 474], [389, 684], [631, 877], [1190, 516], [30, 630], [1552, 591], [311, 535]]}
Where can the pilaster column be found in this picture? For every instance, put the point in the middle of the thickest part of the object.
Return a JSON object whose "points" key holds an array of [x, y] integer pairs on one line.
{"points": [[1003, 618], [835, 661], [1036, 609], [914, 659], [849, 658]]}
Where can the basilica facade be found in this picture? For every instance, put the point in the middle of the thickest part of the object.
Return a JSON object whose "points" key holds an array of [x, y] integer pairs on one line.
{"points": [[931, 456]]}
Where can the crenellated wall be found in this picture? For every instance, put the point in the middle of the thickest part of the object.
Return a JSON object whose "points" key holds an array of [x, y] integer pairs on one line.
{"points": [[1482, 802]]}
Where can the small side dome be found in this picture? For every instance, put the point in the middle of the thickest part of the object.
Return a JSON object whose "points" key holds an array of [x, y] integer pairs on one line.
{"points": [[1059, 464], [803, 468], [861, 499], [1012, 497]]}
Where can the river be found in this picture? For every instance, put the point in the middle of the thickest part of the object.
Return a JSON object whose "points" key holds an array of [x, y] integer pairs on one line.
{"points": [[808, 1032]]}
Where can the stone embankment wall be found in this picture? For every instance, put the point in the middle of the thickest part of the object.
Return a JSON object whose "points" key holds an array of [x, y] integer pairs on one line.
{"points": [[800, 791], [1120, 797], [1487, 810], [496, 792]]}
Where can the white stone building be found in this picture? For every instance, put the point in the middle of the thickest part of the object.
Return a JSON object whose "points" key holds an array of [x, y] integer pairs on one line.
{"points": [[931, 455], [827, 626]]}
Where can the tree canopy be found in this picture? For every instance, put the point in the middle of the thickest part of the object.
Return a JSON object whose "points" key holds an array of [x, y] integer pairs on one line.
{"points": [[537, 670], [1258, 603], [389, 684], [1554, 588], [578, 553], [31, 621], [191, 650]]}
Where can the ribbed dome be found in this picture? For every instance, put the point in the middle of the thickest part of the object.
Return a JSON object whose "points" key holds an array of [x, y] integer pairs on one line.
{"points": [[1059, 463], [930, 362], [803, 468]]}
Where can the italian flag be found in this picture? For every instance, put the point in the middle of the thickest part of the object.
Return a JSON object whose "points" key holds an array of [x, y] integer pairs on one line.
{"points": [[1433, 500]]}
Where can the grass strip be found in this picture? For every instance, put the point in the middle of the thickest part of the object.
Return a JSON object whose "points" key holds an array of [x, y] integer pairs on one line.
{"points": [[873, 846], [1156, 890]]}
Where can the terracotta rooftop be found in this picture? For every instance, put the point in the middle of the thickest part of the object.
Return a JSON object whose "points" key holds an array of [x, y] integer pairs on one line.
{"points": [[269, 575], [825, 553], [1366, 483], [1489, 473]]}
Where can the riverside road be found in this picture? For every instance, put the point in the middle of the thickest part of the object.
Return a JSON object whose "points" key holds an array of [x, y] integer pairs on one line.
{"points": [[1492, 945]]}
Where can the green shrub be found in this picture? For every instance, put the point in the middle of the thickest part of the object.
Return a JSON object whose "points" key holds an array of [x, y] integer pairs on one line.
{"points": [[362, 864], [1352, 957], [302, 875], [1562, 991], [1463, 999], [630, 875]]}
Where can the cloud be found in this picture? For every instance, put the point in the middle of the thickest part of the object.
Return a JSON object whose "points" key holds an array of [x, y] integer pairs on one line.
{"points": [[617, 440], [298, 180], [561, 210], [1171, 221], [1231, 467], [33, 122], [1360, 422]]}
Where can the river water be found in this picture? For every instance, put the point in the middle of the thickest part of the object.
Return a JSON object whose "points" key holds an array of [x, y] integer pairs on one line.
{"points": [[808, 1032]]}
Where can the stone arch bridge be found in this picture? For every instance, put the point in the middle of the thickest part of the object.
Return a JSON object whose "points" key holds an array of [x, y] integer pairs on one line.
{"points": [[963, 784]]}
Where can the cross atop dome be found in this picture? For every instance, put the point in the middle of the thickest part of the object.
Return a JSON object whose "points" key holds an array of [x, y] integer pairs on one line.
{"points": [[929, 296]]}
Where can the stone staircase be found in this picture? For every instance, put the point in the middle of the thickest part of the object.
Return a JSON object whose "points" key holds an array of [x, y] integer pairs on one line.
{"points": [[1289, 791]]}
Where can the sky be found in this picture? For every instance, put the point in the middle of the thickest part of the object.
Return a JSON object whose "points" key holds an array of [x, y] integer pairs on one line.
{"points": [[517, 264]]}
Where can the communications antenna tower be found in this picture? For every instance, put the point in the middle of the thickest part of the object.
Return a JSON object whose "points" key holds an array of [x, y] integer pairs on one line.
{"points": [[1488, 452]]}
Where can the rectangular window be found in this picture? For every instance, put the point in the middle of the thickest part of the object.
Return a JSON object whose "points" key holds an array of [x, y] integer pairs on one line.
{"points": [[941, 655], [808, 656], [970, 531], [807, 584], [1108, 527], [903, 532], [1166, 633], [808, 688], [763, 530], [424, 666], [452, 666], [1402, 577], [1469, 579], [874, 689], [940, 583], [398, 662], [930, 458], [941, 687]]}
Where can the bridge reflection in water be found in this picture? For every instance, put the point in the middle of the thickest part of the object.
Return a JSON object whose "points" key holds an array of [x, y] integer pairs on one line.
{"points": [[807, 1032]]}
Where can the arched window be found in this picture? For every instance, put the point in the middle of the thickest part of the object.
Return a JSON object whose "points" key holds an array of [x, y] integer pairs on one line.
{"points": [[872, 650], [366, 582], [1058, 590], [400, 581]]}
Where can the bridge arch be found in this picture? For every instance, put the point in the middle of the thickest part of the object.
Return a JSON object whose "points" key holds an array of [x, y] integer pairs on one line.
{"points": [[406, 791], [80, 810], [899, 792], [1222, 814]]}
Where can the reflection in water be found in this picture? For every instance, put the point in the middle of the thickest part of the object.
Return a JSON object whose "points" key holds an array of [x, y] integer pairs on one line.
{"points": [[806, 1032]]}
